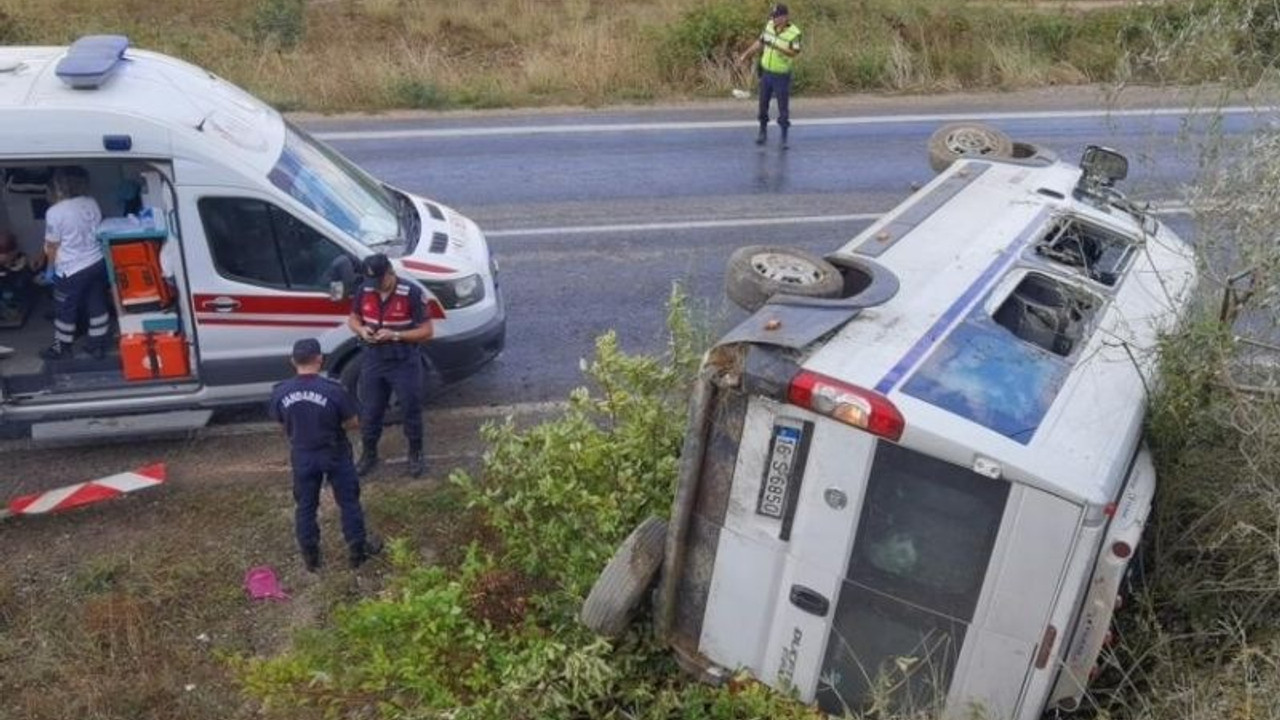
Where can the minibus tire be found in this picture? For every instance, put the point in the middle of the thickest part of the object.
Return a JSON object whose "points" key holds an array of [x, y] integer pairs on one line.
{"points": [[749, 287], [966, 139], [624, 582]]}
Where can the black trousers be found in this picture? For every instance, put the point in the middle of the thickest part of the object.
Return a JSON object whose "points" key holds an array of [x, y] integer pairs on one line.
{"points": [[84, 291], [310, 469], [378, 379], [779, 85]]}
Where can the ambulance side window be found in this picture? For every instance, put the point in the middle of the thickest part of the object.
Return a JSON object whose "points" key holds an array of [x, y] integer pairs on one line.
{"points": [[255, 242], [242, 241], [309, 257]]}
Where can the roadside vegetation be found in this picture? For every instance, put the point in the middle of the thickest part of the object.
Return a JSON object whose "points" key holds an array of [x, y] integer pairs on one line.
{"points": [[495, 636], [338, 55], [1203, 641], [472, 615]]}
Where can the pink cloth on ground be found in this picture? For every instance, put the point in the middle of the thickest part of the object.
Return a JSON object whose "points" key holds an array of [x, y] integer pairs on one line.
{"points": [[262, 584]]}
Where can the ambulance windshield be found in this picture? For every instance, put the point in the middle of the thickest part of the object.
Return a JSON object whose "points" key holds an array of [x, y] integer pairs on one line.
{"points": [[332, 186]]}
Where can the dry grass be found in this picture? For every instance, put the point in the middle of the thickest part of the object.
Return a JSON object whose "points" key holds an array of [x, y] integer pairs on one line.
{"points": [[129, 610], [1202, 642], [373, 54]]}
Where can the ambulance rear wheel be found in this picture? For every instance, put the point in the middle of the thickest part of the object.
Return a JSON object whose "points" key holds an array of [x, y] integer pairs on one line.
{"points": [[967, 139], [623, 583], [758, 272]]}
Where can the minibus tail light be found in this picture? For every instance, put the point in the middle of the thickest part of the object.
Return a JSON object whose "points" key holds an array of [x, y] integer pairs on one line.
{"points": [[1121, 549], [847, 403]]}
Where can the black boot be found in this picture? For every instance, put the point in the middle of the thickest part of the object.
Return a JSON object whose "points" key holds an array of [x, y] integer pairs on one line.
{"points": [[368, 461], [360, 553], [57, 351], [763, 134], [417, 464], [785, 144], [311, 558]]}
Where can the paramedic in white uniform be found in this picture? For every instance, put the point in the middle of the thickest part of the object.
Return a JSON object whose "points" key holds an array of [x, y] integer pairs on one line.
{"points": [[71, 247]]}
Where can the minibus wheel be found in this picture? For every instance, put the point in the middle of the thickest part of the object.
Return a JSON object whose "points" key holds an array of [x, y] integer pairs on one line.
{"points": [[625, 580], [758, 272], [967, 139]]}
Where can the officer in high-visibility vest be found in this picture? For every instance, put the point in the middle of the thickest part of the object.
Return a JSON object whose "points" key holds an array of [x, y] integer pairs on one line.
{"points": [[316, 412], [390, 316], [779, 44]]}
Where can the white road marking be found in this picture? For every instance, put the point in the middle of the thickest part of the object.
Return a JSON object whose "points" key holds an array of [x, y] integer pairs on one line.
{"points": [[587, 128], [683, 225], [1158, 208]]}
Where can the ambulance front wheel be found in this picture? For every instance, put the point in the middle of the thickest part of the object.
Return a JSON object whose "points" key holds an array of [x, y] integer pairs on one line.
{"points": [[349, 376], [758, 272], [624, 581]]}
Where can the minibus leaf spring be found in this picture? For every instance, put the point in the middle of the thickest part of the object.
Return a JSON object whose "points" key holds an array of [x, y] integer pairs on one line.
{"points": [[691, 455]]}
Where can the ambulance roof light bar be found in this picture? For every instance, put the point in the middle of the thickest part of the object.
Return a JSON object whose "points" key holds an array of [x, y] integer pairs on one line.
{"points": [[92, 60]]}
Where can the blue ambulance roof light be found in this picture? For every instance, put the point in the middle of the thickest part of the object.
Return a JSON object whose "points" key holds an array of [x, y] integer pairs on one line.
{"points": [[117, 143], [91, 60]]}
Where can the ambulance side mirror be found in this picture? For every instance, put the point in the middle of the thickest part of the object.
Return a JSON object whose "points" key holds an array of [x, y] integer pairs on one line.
{"points": [[342, 277]]}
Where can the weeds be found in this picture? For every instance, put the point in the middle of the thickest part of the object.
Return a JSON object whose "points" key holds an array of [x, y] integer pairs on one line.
{"points": [[279, 23], [374, 54], [496, 637], [418, 94], [12, 31], [1202, 641]]}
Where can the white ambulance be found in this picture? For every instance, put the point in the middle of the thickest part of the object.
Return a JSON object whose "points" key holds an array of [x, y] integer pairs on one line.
{"points": [[921, 486], [255, 233]]}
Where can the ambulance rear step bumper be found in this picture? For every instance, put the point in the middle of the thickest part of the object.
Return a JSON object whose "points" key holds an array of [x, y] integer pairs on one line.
{"points": [[121, 427]]}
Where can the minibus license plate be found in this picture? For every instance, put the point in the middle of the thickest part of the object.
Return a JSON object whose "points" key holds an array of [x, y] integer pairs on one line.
{"points": [[777, 474]]}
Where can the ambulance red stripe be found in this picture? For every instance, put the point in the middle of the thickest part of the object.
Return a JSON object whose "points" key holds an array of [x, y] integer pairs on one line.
{"points": [[266, 323], [274, 304]]}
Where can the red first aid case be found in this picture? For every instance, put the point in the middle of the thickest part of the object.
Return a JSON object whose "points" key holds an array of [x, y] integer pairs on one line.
{"points": [[152, 356]]}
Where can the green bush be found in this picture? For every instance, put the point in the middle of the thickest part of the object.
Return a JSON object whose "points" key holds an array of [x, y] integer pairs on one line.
{"points": [[561, 495], [279, 23], [564, 493], [12, 30], [418, 94], [417, 646], [710, 33], [1051, 35]]}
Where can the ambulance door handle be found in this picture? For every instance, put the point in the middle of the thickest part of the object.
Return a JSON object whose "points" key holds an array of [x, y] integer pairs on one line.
{"points": [[810, 601], [221, 304]]}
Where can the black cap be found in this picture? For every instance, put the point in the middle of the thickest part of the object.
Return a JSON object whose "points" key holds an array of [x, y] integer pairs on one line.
{"points": [[376, 266], [306, 350], [777, 10]]}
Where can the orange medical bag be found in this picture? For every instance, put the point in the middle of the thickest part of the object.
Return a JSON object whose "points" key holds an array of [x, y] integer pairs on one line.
{"points": [[152, 356], [139, 284]]}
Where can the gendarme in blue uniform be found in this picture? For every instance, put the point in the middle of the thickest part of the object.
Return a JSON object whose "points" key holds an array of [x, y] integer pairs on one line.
{"points": [[391, 366], [313, 409]]}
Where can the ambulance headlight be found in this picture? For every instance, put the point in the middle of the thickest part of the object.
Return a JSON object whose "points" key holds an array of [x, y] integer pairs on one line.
{"points": [[460, 293]]}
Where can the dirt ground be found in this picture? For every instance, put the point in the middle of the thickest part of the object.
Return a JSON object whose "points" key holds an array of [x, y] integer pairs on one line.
{"points": [[128, 609]]}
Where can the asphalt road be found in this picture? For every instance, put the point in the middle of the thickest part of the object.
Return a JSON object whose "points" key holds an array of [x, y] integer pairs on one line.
{"points": [[594, 215]]}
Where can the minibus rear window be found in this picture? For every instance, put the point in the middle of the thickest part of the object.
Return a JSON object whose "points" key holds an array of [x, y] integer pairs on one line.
{"points": [[924, 543]]}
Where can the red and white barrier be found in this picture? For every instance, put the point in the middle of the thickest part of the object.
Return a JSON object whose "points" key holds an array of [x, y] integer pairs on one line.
{"points": [[86, 493]]}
